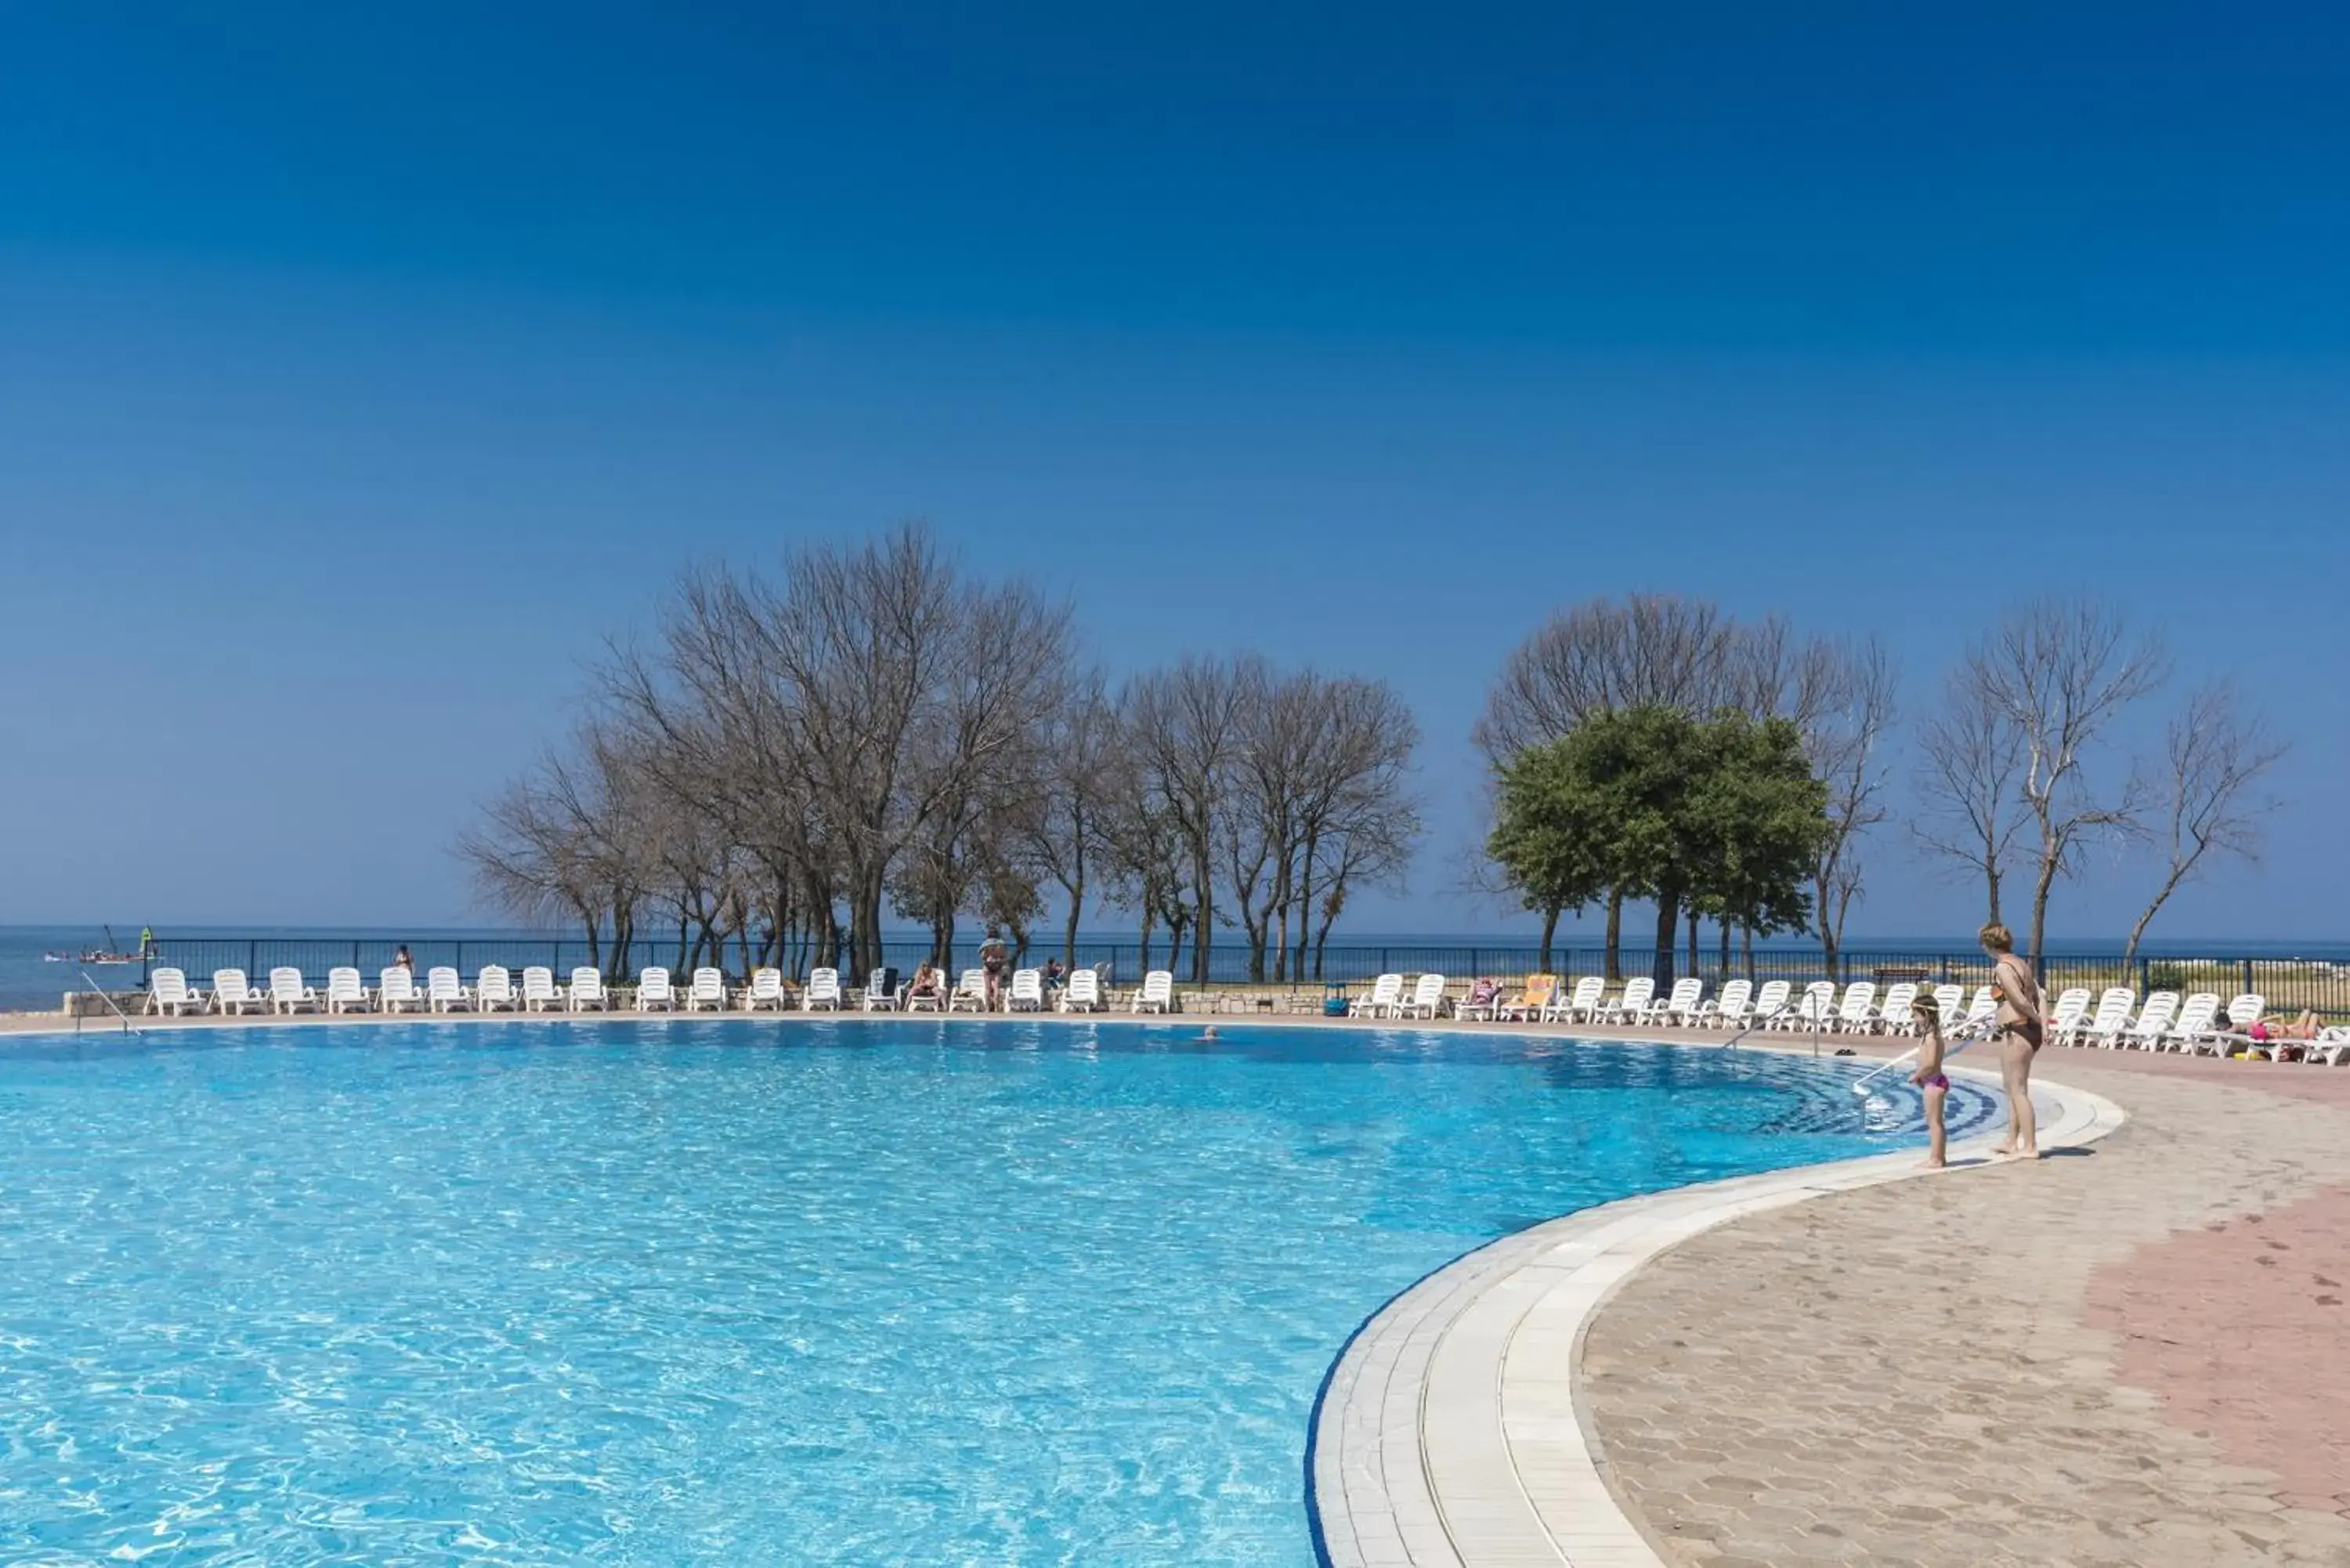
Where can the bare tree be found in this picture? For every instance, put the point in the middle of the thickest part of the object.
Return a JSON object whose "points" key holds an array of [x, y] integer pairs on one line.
{"points": [[1970, 757], [1184, 726], [2061, 672], [1069, 835], [1848, 697], [2215, 753]]}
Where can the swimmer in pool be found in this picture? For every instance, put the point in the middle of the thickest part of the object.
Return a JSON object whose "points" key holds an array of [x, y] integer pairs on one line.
{"points": [[1932, 1082]]}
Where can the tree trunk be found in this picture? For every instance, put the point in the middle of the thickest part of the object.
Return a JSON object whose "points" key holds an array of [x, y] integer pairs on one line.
{"points": [[1991, 876], [1069, 930], [1550, 930], [2137, 931], [1831, 959], [1614, 970], [2040, 908], [1203, 939], [1722, 926], [1668, 930], [1692, 942], [1746, 950]]}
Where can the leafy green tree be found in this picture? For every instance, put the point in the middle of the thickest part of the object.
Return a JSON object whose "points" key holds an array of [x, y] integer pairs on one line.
{"points": [[1550, 835], [1719, 815]]}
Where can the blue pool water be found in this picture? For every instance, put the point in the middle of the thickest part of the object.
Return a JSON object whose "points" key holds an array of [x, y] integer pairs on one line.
{"points": [[708, 1293]]}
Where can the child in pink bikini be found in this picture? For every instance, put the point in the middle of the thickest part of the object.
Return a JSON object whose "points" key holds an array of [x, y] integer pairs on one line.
{"points": [[1933, 1083]]}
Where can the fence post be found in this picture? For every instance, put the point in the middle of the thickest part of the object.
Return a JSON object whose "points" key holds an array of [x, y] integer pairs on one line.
{"points": [[252, 957], [2141, 976], [2247, 976]]}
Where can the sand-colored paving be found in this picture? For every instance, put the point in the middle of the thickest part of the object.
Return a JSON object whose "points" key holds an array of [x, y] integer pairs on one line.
{"points": [[2132, 1355]]}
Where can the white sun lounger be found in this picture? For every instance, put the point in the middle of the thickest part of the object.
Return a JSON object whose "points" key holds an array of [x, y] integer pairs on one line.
{"points": [[1897, 1013], [879, 995], [822, 990], [1857, 1013], [168, 992], [765, 990], [1770, 1004], [1158, 993], [654, 992], [1083, 993], [587, 993], [709, 991], [2152, 1022], [288, 993], [969, 992], [1384, 997], [493, 989], [233, 994], [395, 990], [1682, 1007], [931, 1001], [1816, 1009], [1628, 1003], [539, 991], [1535, 1001], [1427, 996], [1027, 992], [346, 991], [2197, 1022], [1734, 1007], [2072, 1006], [444, 993], [2106, 1024]]}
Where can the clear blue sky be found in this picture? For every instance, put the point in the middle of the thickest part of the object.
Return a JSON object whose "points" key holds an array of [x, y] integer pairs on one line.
{"points": [[359, 371]]}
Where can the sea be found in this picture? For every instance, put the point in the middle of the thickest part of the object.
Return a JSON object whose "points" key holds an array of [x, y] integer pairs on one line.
{"points": [[32, 981]]}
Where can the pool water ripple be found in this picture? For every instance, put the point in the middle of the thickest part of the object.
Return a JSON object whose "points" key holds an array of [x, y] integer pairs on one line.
{"points": [[683, 1292]]}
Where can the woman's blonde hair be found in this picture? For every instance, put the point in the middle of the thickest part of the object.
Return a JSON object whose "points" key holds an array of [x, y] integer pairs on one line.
{"points": [[1997, 938]]}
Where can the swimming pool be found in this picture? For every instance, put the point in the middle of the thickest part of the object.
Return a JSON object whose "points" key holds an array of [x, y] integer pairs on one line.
{"points": [[701, 1292]]}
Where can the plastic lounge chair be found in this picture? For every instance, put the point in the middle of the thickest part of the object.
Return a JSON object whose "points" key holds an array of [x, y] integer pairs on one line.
{"points": [[2332, 1046], [822, 990], [2066, 1016], [1896, 1014], [586, 993], [709, 991], [493, 989], [970, 993], [1158, 993], [2196, 1022], [1629, 1004], [654, 992], [1533, 1002], [444, 993], [765, 990], [1427, 997], [1770, 1004], [346, 991], [1385, 995], [288, 995], [2111, 1016], [931, 1001], [1486, 1011], [1857, 1012], [1681, 1008], [2153, 1021], [1083, 993], [1027, 992], [880, 993], [232, 993], [1816, 1009], [539, 991], [1983, 1010], [1732, 1008], [395, 991], [168, 992]]}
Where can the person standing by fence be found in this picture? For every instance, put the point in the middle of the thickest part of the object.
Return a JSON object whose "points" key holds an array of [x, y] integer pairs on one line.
{"points": [[2021, 1020]]}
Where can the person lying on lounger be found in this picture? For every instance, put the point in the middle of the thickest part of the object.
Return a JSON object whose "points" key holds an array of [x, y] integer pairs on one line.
{"points": [[2305, 1027]]}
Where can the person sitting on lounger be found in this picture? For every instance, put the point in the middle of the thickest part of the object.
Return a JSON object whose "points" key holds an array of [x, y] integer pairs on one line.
{"points": [[401, 960], [1054, 974], [925, 981], [1483, 992]]}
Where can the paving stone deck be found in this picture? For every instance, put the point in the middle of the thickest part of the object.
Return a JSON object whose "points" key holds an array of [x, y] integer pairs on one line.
{"points": [[2135, 1355]]}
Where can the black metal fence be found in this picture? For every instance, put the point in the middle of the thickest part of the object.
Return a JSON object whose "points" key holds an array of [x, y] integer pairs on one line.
{"points": [[2288, 983]]}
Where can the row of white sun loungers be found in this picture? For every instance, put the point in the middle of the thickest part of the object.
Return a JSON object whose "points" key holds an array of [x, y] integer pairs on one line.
{"points": [[494, 990], [2118, 1022]]}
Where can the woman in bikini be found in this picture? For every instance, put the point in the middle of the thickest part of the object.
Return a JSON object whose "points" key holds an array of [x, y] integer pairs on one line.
{"points": [[2020, 1026]]}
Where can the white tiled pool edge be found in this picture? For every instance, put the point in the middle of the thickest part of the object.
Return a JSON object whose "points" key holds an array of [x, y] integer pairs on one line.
{"points": [[1449, 1436]]}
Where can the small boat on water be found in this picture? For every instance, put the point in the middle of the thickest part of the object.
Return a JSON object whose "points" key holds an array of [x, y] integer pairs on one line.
{"points": [[110, 954]]}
